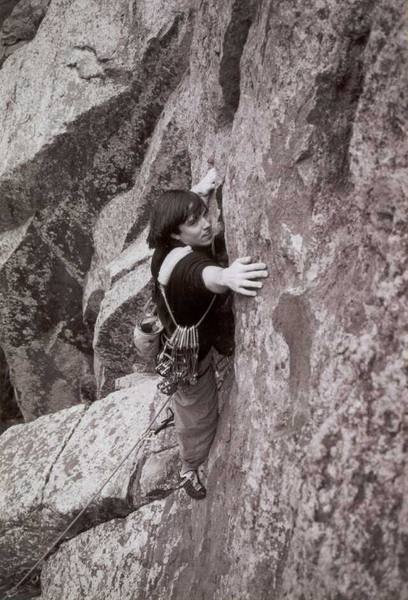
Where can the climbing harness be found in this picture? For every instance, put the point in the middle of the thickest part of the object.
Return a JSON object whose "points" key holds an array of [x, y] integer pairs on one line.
{"points": [[222, 369], [11, 593], [177, 363]]}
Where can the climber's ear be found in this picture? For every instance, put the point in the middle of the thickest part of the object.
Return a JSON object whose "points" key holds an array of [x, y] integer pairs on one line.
{"points": [[175, 236]]}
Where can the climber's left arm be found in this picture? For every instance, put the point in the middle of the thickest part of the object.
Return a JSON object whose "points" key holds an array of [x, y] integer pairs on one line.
{"points": [[206, 185]]}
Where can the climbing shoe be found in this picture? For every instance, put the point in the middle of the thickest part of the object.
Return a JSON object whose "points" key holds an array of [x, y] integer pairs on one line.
{"points": [[192, 485]]}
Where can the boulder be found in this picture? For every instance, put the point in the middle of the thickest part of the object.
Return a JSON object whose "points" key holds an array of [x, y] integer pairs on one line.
{"points": [[117, 554], [97, 96], [109, 235], [142, 547], [113, 338], [53, 468], [29, 453]]}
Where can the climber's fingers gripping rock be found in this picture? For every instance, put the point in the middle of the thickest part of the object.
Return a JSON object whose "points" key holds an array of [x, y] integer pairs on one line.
{"points": [[242, 276], [207, 184]]}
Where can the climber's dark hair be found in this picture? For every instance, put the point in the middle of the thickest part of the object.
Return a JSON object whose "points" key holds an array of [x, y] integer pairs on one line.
{"points": [[170, 210]]}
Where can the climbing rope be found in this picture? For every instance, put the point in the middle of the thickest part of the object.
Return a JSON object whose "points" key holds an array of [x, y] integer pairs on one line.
{"points": [[11, 593], [226, 363]]}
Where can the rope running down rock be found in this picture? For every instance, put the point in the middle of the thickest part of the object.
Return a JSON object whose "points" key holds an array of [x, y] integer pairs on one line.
{"points": [[11, 593]]}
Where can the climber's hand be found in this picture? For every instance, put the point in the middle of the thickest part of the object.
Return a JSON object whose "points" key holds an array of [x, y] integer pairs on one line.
{"points": [[242, 276], [207, 183]]}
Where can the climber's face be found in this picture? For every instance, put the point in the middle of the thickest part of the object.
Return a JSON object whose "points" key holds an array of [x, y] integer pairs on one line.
{"points": [[196, 230]]}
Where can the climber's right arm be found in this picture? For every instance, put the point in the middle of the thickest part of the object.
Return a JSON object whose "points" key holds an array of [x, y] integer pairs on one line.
{"points": [[240, 277]]}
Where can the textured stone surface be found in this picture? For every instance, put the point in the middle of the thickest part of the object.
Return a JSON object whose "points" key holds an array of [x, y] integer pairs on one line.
{"points": [[109, 429], [48, 349], [117, 551], [51, 469], [113, 339], [75, 127], [21, 22], [143, 549], [9, 411], [128, 380], [28, 456], [165, 165], [109, 235], [303, 107]]}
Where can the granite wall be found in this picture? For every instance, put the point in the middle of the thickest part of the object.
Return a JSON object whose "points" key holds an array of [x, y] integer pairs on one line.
{"points": [[302, 106]]}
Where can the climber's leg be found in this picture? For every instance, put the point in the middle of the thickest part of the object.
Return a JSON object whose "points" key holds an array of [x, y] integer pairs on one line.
{"points": [[196, 415]]}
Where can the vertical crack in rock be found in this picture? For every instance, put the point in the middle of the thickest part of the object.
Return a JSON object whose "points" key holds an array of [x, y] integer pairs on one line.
{"points": [[224, 340], [232, 49], [10, 413], [63, 446]]}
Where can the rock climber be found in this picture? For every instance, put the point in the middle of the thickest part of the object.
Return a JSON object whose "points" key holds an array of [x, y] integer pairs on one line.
{"points": [[180, 219]]}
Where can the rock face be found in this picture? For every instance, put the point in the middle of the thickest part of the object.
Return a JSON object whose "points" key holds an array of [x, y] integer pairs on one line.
{"points": [[9, 411], [19, 23], [117, 552], [68, 457], [73, 137], [27, 523], [113, 337], [303, 107]]}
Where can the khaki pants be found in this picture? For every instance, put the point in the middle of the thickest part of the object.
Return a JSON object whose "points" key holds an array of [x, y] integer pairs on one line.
{"points": [[196, 415]]}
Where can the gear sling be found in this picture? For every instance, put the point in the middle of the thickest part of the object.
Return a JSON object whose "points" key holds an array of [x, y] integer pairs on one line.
{"points": [[177, 362]]}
